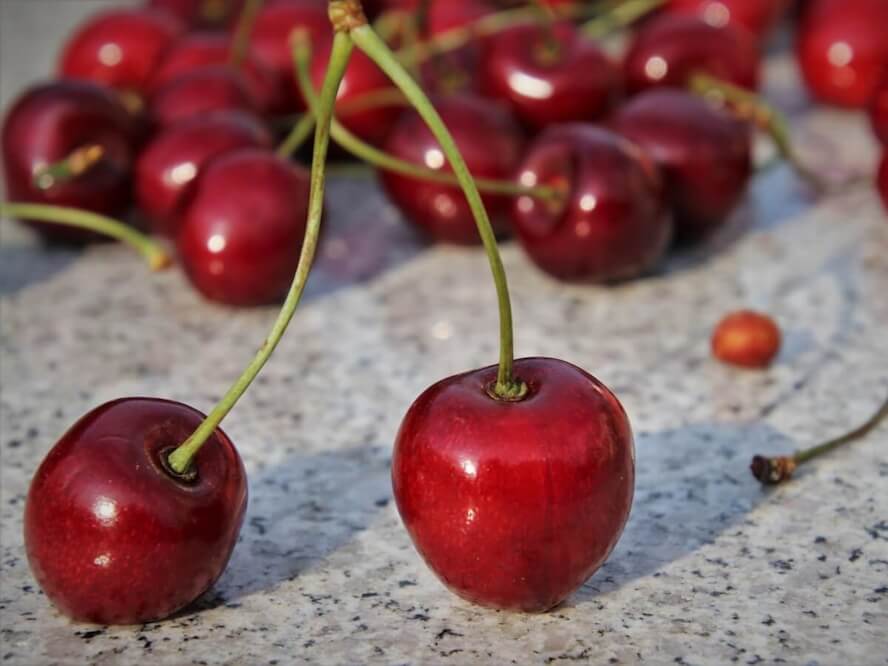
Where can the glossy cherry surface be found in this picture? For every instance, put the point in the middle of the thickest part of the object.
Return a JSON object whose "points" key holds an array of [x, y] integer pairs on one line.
{"points": [[549, 76], [201, 13], [613, 223], [119, 47], [746, 339], [242, 228], [46, 124], [170, 163], [879, 110], [199, 92], [842, 50], [757, 16], [704, 154], [668, 49], [491, 143], [112, 537], [514, 505]]}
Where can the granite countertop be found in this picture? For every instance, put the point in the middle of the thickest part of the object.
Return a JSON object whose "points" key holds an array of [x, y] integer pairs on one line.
{"points": [[711, 569]]}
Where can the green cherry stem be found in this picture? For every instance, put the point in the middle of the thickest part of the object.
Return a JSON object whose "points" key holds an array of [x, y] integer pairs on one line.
{"points": [[383, 160], [300, 132], [507, 387], [619, 15], [241, 40], [153, 253], [180, 459], [771, 470], [76, 163]]}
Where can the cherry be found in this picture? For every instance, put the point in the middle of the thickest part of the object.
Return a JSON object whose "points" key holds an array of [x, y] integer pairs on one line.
{"points": [[704, 154], [613, 223], [242, 227], [747, 339], [668, 49], [111, 536], [201, 13], [756, 16], [198, 92], [841, 49], [48, 123], [169, 165], [489, 140], [120, 48], [270, 44], [882, 178], [200, 49], [515, 505], [549, 76], [879, 110]]}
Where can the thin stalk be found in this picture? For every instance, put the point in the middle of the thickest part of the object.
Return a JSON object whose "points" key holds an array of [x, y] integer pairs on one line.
{"points": [[241, 40], [76, 163], [180, 460], [619, 15], [507, 387], [153, 253], [302, 129], [777, 469]]}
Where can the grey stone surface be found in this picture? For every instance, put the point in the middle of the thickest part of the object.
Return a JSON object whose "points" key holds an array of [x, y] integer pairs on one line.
{"points": [[711, 568]]}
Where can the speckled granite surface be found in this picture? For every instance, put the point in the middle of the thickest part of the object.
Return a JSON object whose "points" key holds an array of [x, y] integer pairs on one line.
{"points": [[711, 569]]}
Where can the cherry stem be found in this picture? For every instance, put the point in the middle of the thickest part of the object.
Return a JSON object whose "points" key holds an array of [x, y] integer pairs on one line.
{"points": [[383, 160], [300, 132], [180, 460], [754, 108], [76, 163], [507, 387], [241, 41], [619, 15], [153, 253], [771, 470]]}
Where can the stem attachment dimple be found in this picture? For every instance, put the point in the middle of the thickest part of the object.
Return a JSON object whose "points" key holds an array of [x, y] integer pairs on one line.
{"points": [[76, 163]]}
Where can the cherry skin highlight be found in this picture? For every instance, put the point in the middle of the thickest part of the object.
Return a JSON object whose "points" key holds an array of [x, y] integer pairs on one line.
{"points": [[491, 144], [119, 48], [199, 92], [613, 223], [746, 339], [241, 230], [547, 82], [668, 49], [841, 50], [46, 124], [705, 155], [111, 536], [169, 165], [759, 17], [514, 505]]}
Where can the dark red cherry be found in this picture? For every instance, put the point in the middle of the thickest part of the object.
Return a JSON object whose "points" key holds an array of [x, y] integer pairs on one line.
{"points": [[514, 505], [270, 44], [704, 154], [170, 163], [199, 92], [549, 77], [668, 49], [879, 110], [199, 49], [119, 48], [842, 50], [112, 537], [757, 16], [613, 223], [491, 143], [882, 178], [49, 122], [242, 228], [201, 13]]}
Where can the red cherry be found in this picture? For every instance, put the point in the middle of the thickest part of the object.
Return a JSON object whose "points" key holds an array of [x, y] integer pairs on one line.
{"points": [[515, 505], [756, 16], [119, 48], [882, 179], [270, 44], [169, 165], [704, 154], [362, 76], [547, 82], [668, 49], [201, 13], [200, 49], [613, 224], [111, 536], [489, 140], [45, 125], [841, 49], [198, 92], [241, 230], [879, 110]]}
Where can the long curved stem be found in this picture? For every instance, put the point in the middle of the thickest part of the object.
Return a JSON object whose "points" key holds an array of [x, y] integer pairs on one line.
{"points": [[619, 15], [180, 459], [241, 40], [507, 388], [383, 160], [153, 253]]}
